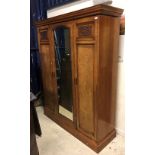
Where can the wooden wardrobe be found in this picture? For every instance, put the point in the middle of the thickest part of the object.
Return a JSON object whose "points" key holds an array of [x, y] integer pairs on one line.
{"points": [[79, 57]]}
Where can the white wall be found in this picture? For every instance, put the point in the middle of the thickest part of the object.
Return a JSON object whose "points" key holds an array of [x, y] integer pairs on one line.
{"points": [[120, 108], [73, 7], [120, 111]]}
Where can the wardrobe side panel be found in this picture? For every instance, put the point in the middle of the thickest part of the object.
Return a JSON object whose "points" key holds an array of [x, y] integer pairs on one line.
{"points": [[108, 57]]}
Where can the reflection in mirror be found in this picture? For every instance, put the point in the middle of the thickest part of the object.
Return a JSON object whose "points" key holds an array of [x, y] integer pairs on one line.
{"points": [[63, 71]]}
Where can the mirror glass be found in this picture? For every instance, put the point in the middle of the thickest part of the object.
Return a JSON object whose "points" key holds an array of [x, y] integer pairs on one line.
{"points": [[63, 71]]}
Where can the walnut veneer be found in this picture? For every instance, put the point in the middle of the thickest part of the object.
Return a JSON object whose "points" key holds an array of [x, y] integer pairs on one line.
{"points": [[94, 36]]}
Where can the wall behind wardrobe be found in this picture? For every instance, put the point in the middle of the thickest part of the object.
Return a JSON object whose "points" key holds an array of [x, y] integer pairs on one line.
{"points": [[120, 112]]}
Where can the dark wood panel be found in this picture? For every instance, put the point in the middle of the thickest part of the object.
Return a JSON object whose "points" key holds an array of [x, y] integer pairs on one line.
{"points": [[44, 35], [49, 95], [86, 30], [85, 87]]}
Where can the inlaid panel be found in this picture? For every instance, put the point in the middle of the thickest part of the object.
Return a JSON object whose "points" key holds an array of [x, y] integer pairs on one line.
{"points": [[85, 88]]}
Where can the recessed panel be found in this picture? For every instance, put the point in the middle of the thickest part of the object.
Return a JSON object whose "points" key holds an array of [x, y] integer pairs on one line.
{"points": [[85, 87], [85, 30], [43, 35], [46, 75]]}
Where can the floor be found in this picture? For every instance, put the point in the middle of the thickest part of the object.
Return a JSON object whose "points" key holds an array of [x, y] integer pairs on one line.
{"points": [[65, 112], [56, 141]]}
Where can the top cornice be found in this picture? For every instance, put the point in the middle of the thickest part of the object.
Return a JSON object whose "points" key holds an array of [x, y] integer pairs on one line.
{"points": [[100, 9]]}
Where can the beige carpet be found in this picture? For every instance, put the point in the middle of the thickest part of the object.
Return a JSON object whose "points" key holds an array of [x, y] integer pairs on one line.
{"points": [[56, 141]]}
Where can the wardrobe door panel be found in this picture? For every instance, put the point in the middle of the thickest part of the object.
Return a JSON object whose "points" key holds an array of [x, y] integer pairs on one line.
{"points": [[62, 49], [46, 69], [85, 88], [47, 77]]}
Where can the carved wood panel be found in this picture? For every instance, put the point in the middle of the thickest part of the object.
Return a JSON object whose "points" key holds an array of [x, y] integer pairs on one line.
{"points": [[44, 35], [85, 30]]}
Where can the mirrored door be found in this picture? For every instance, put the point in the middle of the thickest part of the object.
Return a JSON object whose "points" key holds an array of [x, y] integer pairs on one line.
{"points": [[63, 70]]}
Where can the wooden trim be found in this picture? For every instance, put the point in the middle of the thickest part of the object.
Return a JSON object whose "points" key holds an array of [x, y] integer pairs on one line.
{"points": [[106, 140], [91, 11]]}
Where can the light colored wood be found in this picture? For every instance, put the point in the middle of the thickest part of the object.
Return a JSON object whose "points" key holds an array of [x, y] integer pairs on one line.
{"points": [[94, 35], [85, 87], [89, 41], [108, 56]]}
